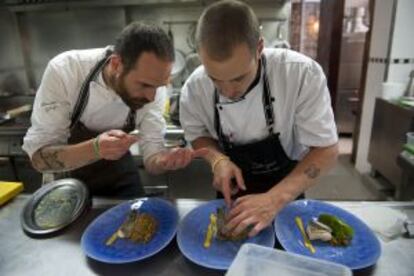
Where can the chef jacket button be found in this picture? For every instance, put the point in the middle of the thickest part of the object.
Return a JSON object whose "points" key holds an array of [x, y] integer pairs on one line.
{"points": [[220, 107], [272, 99]]}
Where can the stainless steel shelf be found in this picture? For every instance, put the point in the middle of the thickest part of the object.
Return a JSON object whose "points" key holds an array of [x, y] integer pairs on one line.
{"points": [[40, 5]]}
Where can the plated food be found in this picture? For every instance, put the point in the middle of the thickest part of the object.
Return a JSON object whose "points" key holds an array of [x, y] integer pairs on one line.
{"points": [[216, 228], [138, 227], [199, 242], [131, 231], [337, 235], [330, 228]]}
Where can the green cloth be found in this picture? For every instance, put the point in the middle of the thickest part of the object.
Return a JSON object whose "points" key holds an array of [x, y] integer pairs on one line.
{"points": [[409, 148]]}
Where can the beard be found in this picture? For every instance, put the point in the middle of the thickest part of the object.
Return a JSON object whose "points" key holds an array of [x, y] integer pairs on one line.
{"points": [[118, 84]]}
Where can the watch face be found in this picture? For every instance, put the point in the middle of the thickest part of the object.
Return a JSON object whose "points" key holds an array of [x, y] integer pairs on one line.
{"points": [[54, 206]]}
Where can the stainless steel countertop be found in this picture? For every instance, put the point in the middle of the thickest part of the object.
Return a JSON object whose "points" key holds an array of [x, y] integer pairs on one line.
{"points": [[62, 254]]}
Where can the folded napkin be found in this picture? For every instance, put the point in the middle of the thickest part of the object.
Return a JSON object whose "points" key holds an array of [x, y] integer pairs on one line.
{"points": [[387, 222]]}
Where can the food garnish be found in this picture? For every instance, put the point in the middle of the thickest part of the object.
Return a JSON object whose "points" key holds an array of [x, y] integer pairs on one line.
{"points": [[211, 230], [306, 240], [137, 227], [342, 233]]}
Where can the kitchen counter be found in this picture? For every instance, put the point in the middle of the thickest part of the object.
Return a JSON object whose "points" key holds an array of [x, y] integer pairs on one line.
{"points": [[62, 254]]}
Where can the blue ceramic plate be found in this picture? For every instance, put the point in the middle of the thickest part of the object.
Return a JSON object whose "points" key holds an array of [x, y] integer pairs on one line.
{"points": [[192, 231], [122, 250], [363, 251]]}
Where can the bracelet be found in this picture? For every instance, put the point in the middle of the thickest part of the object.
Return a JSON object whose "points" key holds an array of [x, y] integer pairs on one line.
{"points": [[96, 149], [217, 160]]}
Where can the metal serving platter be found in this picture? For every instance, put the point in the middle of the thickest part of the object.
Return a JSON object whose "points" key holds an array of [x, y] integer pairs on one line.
{"points": [[55, 206]]}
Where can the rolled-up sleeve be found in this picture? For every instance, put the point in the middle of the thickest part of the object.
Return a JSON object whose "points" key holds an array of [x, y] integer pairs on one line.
{"points": [[50, 118], [191, 113], [315, 124], [153, 126]]}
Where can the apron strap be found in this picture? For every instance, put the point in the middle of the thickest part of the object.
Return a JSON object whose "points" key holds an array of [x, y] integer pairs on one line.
{"points": [[83, 98], [267, 100], [84, 91], [222, 139]]}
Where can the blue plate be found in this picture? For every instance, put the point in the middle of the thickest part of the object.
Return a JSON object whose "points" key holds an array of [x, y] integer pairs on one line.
{"points": [[363, 251], [122, 250], [192, 232]]}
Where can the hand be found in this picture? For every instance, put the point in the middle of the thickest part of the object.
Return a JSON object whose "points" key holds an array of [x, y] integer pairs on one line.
{"points": [[228, 179], [113, 144], [257, 211], [178, 158]]}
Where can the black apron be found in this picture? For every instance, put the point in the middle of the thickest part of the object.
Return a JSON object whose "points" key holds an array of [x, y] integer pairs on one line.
{"points": [[263, 163], [118, 178]]}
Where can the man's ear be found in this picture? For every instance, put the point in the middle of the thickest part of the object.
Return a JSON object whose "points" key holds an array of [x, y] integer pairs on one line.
{"points": [[260, 47], [116, 64]]}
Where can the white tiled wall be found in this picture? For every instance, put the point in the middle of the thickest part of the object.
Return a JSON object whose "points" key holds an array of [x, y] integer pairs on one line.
{"points": [[400, 72], [372, 90], [402, 47], [402, 42], [403, 38], [375, 76], [381, 28]]}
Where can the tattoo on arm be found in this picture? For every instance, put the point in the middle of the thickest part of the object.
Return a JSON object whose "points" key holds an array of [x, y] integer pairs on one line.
{"points": [[51, 160], [312, 171]]}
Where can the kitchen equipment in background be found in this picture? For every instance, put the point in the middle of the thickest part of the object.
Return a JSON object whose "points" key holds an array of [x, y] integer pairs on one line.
{"points": [[190, 39], [192, 61], [170, 34], [13, 113], [354, 22], [280, 42], [174, 110], [410, 138], [409, 91], [178, 70], [5, 93], [347, 92], [392, 90]]}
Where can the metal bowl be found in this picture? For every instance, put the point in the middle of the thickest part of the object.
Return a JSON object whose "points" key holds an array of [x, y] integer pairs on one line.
{"points": [[55, 206]]}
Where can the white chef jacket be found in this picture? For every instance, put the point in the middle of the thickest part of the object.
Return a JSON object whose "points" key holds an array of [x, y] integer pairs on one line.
{"points": [[302, 106], [57, 95]]}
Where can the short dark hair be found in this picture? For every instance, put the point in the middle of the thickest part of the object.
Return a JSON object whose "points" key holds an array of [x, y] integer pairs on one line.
{"points": [[139, 37], [224, 25]]}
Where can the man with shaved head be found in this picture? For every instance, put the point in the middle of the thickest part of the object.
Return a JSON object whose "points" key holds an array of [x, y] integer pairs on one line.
{"points": [[264, 115]]}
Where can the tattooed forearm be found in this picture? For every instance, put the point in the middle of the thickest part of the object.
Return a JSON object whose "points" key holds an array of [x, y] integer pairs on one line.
{"points": [[312, 171], [49, 159]]}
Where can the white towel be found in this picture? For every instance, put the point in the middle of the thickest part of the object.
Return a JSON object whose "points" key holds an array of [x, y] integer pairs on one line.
{"points": [[387, 222]]}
